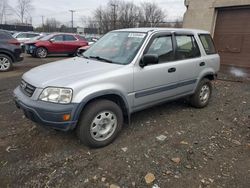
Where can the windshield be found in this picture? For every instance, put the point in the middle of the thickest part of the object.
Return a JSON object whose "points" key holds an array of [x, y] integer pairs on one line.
{"points": [[116, 47]]}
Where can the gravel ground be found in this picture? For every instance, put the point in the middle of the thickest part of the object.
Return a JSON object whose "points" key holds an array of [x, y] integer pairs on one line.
{"points": [[171, 145]]}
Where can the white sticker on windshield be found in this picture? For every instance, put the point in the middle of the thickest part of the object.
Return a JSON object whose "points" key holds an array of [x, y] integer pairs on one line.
{"points": [[136, 35]]}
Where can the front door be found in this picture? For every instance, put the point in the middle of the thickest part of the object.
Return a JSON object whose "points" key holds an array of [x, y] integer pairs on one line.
{"points": [[157, 82], [57, 44]]}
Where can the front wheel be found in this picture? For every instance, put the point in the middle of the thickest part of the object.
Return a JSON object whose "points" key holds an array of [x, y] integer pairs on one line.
{"points": [[5, 63], [202, 94], [41, 52], [100, 123]]}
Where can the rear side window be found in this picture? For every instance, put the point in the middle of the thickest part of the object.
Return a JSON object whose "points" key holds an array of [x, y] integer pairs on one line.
{"points": [[21, 35], [31, 35], [207, 43], [69, 38], [186, 47], [5, 36]]}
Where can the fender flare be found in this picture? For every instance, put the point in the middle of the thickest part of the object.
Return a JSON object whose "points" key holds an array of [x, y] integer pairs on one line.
{"points": [[99, 94], [8, 53]]}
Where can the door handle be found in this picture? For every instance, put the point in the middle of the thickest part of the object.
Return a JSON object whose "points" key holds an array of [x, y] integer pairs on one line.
{"points": [[171, 70], [202, 64]]}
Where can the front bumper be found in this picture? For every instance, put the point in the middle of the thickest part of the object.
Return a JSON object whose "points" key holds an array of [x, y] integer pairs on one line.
{"points": [[18, 56], [30, 49], [44, 113]]}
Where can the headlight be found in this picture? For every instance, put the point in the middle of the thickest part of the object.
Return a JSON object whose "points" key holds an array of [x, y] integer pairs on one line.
{"points": [[56, 95]]}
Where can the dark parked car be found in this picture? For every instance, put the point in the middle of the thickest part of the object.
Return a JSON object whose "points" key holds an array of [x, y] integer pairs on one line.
{"points": [[55, 44], [10, 51]]}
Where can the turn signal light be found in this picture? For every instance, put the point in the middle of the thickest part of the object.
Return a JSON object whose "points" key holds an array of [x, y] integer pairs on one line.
{"points": [[66, 117]]}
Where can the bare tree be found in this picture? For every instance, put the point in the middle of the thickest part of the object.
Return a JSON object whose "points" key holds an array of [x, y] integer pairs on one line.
{"points": [[88, 22], [124, 14], [178, 23], [52, 25], [5, 10], [23, 9], [103, 20], [128, 14], [151, 14]]}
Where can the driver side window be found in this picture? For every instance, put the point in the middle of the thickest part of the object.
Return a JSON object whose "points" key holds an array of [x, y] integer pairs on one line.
{"points": [[163, 47], [58, 38]]}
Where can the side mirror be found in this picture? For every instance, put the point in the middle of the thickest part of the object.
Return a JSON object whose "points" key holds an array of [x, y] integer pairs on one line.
{"points": [[52, 40], [149, 59]]}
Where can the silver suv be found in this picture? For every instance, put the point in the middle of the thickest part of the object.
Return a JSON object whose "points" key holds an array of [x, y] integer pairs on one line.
{"points": [[125, 71]]}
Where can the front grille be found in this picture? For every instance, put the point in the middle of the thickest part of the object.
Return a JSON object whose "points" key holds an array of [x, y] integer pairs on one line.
{"points": [[27, 88]]}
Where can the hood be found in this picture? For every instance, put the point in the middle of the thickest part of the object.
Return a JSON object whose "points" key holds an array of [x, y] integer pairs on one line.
{"points": [[66, 72]]}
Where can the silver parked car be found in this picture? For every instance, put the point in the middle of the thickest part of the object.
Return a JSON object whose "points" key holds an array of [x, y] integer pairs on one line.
{"points": [[125, 71], [25, 36]]}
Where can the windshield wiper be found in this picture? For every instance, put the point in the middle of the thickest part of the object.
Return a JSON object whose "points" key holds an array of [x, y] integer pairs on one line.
{"points": [[101, 59]]}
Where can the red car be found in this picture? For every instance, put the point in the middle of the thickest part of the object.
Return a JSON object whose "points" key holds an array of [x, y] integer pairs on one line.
{"points": [[59, 43]]}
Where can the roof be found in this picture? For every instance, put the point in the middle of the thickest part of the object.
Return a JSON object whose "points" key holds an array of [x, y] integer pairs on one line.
{"points": [[155, 29], [62, 33]]}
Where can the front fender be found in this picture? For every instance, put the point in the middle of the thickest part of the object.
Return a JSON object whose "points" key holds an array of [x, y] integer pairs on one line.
{"points": [[3, 51], [85, 96]]}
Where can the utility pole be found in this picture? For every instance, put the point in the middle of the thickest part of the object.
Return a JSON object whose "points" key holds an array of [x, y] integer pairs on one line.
{"points": [[114, 9], [72, 20], [43, 22]]}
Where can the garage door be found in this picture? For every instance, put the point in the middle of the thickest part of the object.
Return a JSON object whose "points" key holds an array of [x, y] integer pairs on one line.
{"points": [[232, 36]]}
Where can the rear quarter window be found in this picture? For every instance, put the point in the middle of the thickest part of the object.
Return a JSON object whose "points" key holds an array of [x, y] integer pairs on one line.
{"points": [[69, 38], [207, 43], [5, 36]]}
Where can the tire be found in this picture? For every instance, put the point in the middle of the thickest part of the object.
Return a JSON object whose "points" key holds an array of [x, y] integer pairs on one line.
{"points": [[202, 95], [72, 55], [5, 63], [100, 123], [41, 52]]}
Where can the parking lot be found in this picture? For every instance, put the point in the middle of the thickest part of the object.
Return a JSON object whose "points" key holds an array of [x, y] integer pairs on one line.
{"points": [[180, 145]]}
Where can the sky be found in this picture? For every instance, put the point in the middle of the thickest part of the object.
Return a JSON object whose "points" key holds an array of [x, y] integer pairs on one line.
{"points": [[59, 9]]}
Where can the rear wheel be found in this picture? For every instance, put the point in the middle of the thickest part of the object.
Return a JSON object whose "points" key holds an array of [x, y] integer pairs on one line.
{"points": [[100, 123], [5, 63], [41, 52], [202, 94]]}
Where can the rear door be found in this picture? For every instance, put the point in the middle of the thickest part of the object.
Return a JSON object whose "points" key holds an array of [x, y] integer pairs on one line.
{"points": [[70, 43], [189, 61]]}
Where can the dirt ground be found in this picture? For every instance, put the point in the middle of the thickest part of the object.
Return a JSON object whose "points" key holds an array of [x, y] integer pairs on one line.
{"points": [[179, 145]]}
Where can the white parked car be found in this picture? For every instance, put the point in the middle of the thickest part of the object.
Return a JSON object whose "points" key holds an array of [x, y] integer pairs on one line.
{"points": [[25, 36]]}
